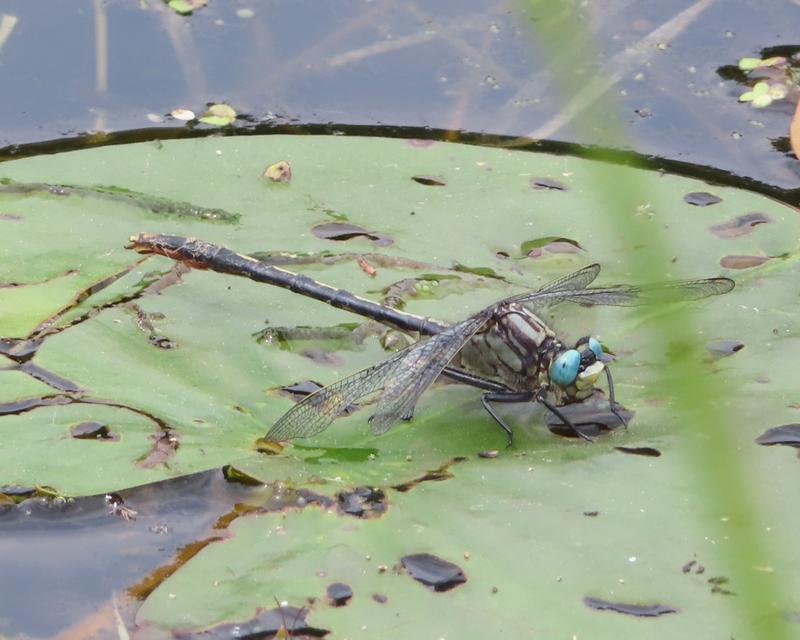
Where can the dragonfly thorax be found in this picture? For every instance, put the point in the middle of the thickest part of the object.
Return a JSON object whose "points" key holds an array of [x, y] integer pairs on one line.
{"points": [[514, 347]]}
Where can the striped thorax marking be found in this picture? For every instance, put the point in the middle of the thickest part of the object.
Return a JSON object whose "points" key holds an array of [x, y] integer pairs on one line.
{"points": [[515, 347]]}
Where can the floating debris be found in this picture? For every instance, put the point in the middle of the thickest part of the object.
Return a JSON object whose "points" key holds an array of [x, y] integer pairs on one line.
{"points": [[281, 171]]}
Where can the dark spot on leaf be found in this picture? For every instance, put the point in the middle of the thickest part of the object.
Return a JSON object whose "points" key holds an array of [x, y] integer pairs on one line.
{"points": [[725, 347], [553, 244], [162, 342], [488, 454], [11, 217], [743, 262], [698, 568], [639, 610], [540, 184], [342, 231], [701, 198], [787, 434], [430, 181], [591, 514], [716, 585], [502, 255], [379, 598], [437, 475], [640, 451], [339, 593], [92, 431], [265, 624], [432, 571], [740, 225], [362, 502]]}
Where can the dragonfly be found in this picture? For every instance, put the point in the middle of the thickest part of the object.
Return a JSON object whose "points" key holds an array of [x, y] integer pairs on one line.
{"points": [[505, 349]]}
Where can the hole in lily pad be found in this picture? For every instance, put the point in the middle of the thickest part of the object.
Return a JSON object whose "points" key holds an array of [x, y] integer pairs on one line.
{"points": [[430, 181], [343, 231], [339, 593], [639, 610], [701, 198], [362, 502], [92, 431], [787, 434], [742, 262], [651, 452], [540, 184], [740, 225], [433, 572], [722, 348]]}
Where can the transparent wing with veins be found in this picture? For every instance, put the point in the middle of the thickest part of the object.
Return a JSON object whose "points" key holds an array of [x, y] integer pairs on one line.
{"points": [[403, 377]]}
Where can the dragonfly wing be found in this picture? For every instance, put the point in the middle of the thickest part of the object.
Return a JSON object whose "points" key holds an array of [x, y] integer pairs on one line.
{"points": [[629, 296], [580, 279], [421, 366], [317, 410], [404, 377], [574, 281]]}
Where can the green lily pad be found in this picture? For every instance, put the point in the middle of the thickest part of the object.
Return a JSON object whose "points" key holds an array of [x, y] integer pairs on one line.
{"points": [[172, 363]]}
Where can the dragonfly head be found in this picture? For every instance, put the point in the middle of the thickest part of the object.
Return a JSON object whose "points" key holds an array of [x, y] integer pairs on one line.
{"points": [[576, 370]]}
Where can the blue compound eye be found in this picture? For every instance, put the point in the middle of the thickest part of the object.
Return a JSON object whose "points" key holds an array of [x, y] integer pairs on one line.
{"points": [[564, 369], [595, 346]]}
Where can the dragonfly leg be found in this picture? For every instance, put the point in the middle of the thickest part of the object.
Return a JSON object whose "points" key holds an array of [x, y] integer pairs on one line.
{"points": [[611, 401], [560, 415], [486, 398]]}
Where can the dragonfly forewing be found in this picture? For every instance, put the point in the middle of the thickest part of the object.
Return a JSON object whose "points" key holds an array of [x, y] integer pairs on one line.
{"points": [[629, 296], [403, 378]]}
